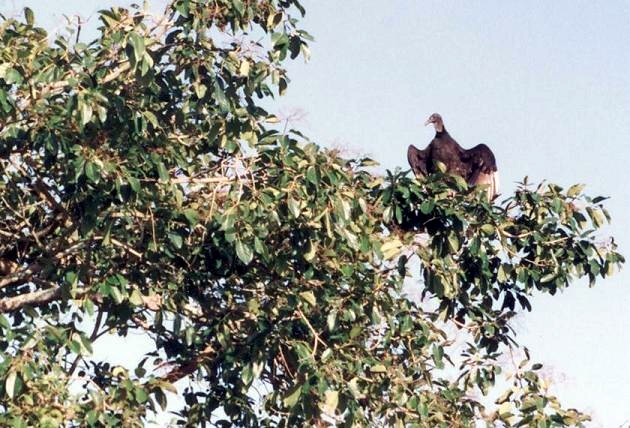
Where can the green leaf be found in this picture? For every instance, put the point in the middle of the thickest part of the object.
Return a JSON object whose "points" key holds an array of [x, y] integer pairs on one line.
{"points": [[160, 397], [5, 101], [387, 214], [75, 347], [137, 42], [487, 229], [279, 40], [378, 368], [427, 206], [528, 405], [369, 162], [11, 383], [85, 112], [331, 402], [273, 20], [238, 5], [200, 89], [136, 298], [326, 355], [152, 119], [294, 207], [86, 345], [453, 242], [11, 75], [343, 209], [221, 99], [92, 417], [311, 175], [312, 251], [309, 297], [244, 68], [116, 294], [292, 396], [597, 216], [92, 172], [331, 320], [504, 397], [460, 182], [438, 356], [356, 331], [548, 278], [575, 190], [162, 172], [134, 183], [141, 395], [502, 273], [244, 252], [28, 14], [192, 217], [441, 166], [391, 248], [260, 247], [282, 86], [4, 323], [71, 278], [176, 240]]}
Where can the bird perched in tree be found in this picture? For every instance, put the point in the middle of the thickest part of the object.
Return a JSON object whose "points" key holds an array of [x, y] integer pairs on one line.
{"points": [[477, 165]]}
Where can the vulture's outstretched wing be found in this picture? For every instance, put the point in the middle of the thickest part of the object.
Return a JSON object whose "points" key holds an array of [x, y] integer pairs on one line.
{"points": [[482, 168], [418, 160]]}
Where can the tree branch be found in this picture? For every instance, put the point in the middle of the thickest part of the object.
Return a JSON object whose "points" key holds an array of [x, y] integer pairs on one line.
{"points": [[20, 275], [25, 273], [188, 367], [36, 298]]}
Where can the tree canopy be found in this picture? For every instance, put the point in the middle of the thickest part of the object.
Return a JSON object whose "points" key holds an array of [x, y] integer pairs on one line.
{"points": [[145, 189]]}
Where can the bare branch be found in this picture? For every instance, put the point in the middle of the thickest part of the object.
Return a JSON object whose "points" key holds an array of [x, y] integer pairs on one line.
{"points": [[24, 274], [20, 276], [8, 266], [187, 368], [36, 298]]}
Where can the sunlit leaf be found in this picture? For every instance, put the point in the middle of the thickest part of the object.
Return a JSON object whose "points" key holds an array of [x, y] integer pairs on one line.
{"points": [[244, 252]]}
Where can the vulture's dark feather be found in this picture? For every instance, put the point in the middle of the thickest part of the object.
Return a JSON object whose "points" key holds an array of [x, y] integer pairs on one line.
{"points": [[480, 158], [477, 165], [418, 160]]}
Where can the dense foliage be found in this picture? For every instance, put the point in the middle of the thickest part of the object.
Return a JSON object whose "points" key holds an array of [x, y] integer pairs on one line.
{"points": [[144, 189]]}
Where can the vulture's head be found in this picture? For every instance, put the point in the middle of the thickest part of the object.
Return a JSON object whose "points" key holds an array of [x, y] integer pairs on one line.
{"points": [[437, 122]]}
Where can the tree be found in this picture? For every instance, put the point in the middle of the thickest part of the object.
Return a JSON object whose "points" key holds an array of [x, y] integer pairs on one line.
{"points": [[144, 188]]}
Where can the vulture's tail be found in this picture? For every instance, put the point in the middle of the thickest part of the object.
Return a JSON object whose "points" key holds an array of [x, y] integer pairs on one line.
{"points": [[491, 181], [493, 192]]}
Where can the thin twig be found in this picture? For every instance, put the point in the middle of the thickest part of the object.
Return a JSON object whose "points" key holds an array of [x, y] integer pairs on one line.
{"points": [[286, 364], [317, 338], [97, 326]]}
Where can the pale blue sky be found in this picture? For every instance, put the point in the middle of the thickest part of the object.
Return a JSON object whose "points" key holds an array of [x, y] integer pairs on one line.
{"points": [[546, 84]]}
